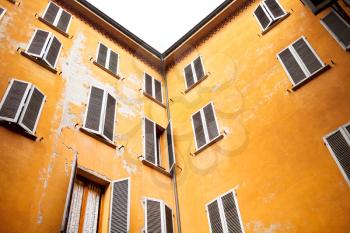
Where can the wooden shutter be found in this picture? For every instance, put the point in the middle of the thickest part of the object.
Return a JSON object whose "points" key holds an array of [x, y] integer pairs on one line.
{"points": [[339, 145], [150, 151], [170, 141], [158, 90], [51, 13], [53, 51], [38, 43], [32, 110], [102, 54], [169, 228], [263, 17], [338, 28], [231, 213], [109, 118], [274, 8], [13, 100], [210, 120], [318, 5], [214, 217], [153, 217], [69, 194], [113, 62], [198, 130], [64, 21], [148, 84], [198, 67], [189, 76], [307, 55], [120, 207], [94, 110]]}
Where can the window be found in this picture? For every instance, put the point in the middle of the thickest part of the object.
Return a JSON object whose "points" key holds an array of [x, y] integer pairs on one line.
{"points": [[57, 17], [158, 217], [194, 73], [268, 13], [317, 6], [300, 61], [22, 104], [100, 114], [205, 127], [338, 28], [338, 143], [223, 214], [44, 46], [107, 59], [153, 88], [2, 12]]}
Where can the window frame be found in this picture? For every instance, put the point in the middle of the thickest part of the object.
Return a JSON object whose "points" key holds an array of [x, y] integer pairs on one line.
{"points": [[162, 213], [153, 96], [44, 57], [173, 146], [261, 4], [42, 52], [157, 163], [3, 13], [57, 18], [195, 78], [105, 66], [317, 9]]}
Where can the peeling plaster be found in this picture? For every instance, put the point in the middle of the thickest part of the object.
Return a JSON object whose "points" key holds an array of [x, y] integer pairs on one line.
{"points": [[129, 168], [259, 227]]}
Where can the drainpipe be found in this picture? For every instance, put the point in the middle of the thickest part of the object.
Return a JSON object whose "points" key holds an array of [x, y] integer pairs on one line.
{"points": [[173, 179]]}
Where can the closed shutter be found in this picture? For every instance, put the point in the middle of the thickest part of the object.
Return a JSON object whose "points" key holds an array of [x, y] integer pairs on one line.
{"points": [[198, 67], [198, 129], [168, 220], [231, 213], [2, 10], [212, 127], [51, 13], [347, 128], [94, 110], [158, 90], [189, 76], [13, 100], [38, 43], [102, 54], [64, 21], [340, 147], [153, 217], [32, 110], [120, 207], [263, 17], [108, 128], [170, 141], [53, 51], [148, 84], [113, 62], [150, 141], [274, 8], [338, 28], [214, 217]]}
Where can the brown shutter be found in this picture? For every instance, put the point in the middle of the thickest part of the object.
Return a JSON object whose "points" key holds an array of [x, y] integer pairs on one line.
{"points": [[198, 67], [113, 62], [214, 217], [38, 43], [94, 110], [274, 8], [168, 220], [189, 76], [102, 55], [53, 51], [32, 110], [291, 65], [198, 130], [13, 100], [120, 208], [263, 18], [231, 213], [153, 217], [148, 84], [170, 141], [150, 153], [158, 90], [64, 21], [51, 13], [212, 127], [108, 128]]}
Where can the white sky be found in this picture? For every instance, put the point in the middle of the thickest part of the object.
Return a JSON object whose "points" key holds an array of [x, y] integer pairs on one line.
{"points": [[160, 23]]}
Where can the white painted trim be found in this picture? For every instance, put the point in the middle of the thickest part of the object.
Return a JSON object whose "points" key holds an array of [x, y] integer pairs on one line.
{"points": [[43, 50], [154, 139], [97, 52], [162, 205], [104, 117], [47, 52], [3, 13], [46, 9], [165, 222], [193, 128], [270, 13], [266, 13]]}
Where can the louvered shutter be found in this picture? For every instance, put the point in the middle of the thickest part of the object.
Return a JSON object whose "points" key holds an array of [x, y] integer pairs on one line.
{"points": [[274, 8], [148, 84], [338, 28], [307, 55], [198, 129], [215, 222], [168, 220], [189, 76], [63, 22], [158, 90], [347, 128], [263, 18], [292, 66], [13, 100], [198, 67], [341, 150], [231, 213], [153, 217], [51, 13], [38, 43], [170, 141], [150, 141], [53, 51], [212, 127], [32, 110], [113, 62], [120, 208], [94, 110], [109, 120], [69, 194], [102, 55], [1, 11]]}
